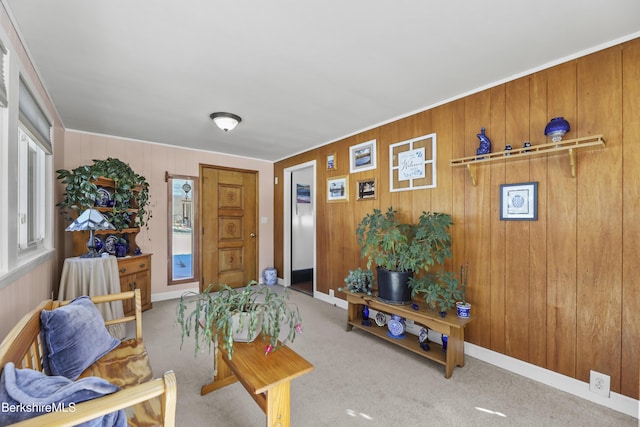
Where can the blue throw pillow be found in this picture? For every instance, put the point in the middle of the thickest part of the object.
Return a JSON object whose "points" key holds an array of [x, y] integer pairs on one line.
{"points": [[74, 337], [25, 393]]}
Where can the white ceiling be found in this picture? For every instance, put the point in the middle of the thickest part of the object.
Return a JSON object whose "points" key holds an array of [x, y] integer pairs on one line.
{"points": [[300, 73]]}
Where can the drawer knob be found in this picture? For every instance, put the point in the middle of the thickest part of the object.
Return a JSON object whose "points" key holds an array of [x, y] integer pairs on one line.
{"points": [[122, 270], [142, 265]]}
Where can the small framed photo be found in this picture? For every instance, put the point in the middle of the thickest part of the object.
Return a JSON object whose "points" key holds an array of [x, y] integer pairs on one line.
{"points": [[366, 189], [331, 161], [362, 157], [519, 201], [338, 189]]}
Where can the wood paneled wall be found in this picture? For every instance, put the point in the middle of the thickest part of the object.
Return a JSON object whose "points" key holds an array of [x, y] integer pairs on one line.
{"points": [[562, 292]]}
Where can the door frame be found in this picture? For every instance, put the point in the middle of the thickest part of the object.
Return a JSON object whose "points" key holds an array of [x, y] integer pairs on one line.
{"points": [[286, 274]]}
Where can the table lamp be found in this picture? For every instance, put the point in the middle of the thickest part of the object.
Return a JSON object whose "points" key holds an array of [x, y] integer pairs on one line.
{"points": [[90, 220]]}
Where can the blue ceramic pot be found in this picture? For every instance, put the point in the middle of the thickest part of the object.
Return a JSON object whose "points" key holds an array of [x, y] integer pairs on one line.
{"points": [[270, 276], [462, 310]]}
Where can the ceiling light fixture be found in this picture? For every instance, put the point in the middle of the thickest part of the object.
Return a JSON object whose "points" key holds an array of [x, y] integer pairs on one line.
{"points": [[225, 121]]}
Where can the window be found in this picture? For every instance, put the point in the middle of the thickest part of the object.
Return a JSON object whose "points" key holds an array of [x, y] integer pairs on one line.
{"points": [[182, 192], [26, 174], [32, 186], [34, 174]]}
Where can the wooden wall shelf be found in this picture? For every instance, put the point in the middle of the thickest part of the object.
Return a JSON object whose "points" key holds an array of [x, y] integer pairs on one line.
{"points": [[569, 145]]}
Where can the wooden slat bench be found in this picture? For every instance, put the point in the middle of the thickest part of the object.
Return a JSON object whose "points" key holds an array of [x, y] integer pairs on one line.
{"points": [[147, 401]]}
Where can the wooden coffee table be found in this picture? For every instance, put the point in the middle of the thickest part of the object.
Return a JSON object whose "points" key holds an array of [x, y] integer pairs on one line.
{"points": [[267, 378]]}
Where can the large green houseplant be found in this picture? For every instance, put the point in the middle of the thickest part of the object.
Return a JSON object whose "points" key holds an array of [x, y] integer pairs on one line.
{"points": [[81, 191], [224, 314], [401, 250]]}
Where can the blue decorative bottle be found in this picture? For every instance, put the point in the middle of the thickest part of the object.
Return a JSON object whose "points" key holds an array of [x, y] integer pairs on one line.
{"points": [[365, 316], [485, 144]]}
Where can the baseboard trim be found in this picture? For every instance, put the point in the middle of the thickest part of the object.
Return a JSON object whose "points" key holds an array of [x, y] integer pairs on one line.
{"points": [[172, 295], [617, 402]]}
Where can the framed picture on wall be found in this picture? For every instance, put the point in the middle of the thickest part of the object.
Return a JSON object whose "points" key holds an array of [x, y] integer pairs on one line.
{"points": [[331, 161], [338, 189], [366, 189], [362, 157], [519, 201]]}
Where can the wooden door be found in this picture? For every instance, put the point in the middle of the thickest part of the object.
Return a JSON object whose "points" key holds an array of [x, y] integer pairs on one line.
{"points": [[229, 242]]}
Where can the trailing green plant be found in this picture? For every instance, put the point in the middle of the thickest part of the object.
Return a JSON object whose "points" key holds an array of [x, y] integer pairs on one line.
{"points": [[450, 292], [359, 280], [208, 315], [81, 191], [439, 288], [396, 246]]}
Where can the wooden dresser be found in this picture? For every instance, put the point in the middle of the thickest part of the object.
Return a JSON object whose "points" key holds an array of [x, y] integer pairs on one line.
{"points": [[135, 273]]}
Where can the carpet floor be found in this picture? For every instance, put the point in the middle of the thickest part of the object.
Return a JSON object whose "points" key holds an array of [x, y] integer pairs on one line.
{"points": [[360, 380]]}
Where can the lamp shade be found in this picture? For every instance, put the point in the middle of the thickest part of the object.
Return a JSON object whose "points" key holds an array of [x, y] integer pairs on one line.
{"points": [[90, 219], [225, 121]]}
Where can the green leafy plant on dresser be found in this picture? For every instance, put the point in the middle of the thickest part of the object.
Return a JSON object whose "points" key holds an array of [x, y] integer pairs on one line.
{"points": [[81, 191]]}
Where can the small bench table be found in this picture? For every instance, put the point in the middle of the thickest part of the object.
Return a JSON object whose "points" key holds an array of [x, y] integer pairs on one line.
{"points": [[451, 325], [266, 377]]}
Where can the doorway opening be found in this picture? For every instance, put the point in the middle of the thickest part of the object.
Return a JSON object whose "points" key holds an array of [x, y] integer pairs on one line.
{"points": [[300, 227]]}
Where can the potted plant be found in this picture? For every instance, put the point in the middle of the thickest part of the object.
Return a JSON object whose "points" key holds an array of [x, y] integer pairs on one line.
{"points": [[463, 307], [440, 290], [359, 280], [229, 314], [81, 191], [401, 250]]}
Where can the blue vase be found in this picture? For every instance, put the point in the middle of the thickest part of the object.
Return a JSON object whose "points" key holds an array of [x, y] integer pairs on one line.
{"points": [[365, 316], [396, 326], [121, 249], [445, 342], [485, 144], [557, 128]]}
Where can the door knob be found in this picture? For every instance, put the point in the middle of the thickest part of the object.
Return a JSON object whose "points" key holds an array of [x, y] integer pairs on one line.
{"points": [[252, 234]]}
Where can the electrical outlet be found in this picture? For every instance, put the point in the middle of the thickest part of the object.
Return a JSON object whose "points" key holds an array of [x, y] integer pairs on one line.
{"points": [[331, 294], [600, 383]]}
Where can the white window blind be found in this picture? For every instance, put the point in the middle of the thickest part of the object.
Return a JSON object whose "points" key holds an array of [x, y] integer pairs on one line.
{"points": [[33, 118]]}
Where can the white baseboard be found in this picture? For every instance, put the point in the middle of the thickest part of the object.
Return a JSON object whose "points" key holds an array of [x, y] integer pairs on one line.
{"points": [[172, 295], [338, 302], [616, 401]]}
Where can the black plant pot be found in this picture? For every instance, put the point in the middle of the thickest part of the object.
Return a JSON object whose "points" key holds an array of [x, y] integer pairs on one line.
{"points": [[393, 287]]}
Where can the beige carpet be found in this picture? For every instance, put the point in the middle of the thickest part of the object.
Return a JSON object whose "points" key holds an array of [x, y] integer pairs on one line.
{"points": [[360, 380]]}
